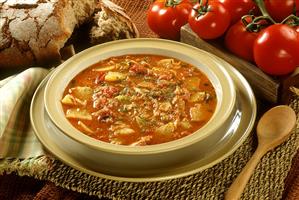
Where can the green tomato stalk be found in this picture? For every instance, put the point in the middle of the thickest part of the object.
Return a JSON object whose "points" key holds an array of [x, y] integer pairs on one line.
{"points": [[172, 3], [257, 23], [203, 7], [291, 20], [265, 14]]}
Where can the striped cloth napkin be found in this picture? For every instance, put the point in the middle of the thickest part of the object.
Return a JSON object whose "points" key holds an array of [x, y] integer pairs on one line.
{"points": [[17, 138]]}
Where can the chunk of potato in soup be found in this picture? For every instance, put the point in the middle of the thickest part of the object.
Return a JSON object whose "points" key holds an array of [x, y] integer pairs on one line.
{"points": [[139, 100]]}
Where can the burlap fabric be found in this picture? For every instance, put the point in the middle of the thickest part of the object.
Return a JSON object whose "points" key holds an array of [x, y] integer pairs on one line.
{"points": [[267, 182]]}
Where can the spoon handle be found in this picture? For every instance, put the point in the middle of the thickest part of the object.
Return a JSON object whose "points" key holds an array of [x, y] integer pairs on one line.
{"points": [[236, 189]]}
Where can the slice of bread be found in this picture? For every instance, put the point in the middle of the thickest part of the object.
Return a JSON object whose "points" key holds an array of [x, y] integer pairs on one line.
{"points": [[110, 22]]}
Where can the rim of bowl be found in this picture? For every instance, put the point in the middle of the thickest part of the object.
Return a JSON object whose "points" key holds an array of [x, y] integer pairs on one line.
{"points": [[64, 73]]}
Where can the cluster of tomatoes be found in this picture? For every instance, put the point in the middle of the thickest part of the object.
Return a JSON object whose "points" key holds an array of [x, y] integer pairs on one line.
{"points": [[257, 37]]}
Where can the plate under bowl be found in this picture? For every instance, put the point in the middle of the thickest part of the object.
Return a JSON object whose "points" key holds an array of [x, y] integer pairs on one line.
{"points": [[213, 152]]}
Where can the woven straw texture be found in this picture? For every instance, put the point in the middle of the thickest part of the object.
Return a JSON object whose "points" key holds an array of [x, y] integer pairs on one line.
{"points": [[137, 9], [267, 182]]}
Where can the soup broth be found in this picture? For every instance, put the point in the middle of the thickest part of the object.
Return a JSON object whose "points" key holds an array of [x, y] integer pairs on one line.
{"points": [[139, 100]]}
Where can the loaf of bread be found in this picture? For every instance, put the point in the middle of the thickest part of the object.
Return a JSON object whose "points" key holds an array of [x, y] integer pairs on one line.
{"points": [[33, 32]]}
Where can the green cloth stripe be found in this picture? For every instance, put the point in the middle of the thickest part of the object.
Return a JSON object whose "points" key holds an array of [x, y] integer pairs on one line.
{"points": [[17, 138]]}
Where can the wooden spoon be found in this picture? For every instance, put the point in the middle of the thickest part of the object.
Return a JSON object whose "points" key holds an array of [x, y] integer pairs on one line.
{"points": [[273, 128]]}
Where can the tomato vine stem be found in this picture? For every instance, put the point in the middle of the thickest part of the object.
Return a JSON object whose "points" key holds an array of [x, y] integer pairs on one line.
{"points": [[172, 3], [203, 7], [291, 20], [257, 23], [201, 3], [262, 7]]}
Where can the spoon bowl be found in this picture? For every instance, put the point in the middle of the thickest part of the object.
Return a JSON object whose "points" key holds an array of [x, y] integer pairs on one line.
{"points": [[273, 128]]}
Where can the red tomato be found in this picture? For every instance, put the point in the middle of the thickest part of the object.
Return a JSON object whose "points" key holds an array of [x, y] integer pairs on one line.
{"points": [[238, 8], [167, 20], [210, 24], [240, 41], [276, 49], [280, 9]]}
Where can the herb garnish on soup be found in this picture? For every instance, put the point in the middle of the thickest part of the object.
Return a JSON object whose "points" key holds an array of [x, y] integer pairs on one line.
{"points": [[139, 100]]}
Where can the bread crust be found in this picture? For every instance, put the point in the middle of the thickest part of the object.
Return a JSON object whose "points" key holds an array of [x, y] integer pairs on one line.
{"points": [[34, 31]]}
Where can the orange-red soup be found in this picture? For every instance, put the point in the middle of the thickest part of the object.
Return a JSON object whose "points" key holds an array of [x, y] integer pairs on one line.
{"points": [[139, 100]]}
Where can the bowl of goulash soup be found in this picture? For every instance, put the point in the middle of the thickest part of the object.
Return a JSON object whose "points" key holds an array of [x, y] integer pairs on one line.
{"points": [[131, 107]]}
